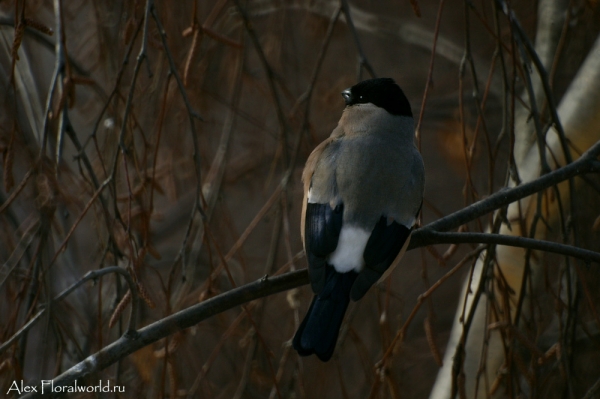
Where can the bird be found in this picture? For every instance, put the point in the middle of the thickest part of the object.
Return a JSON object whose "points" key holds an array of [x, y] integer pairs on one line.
{"points": [[363, 191]]}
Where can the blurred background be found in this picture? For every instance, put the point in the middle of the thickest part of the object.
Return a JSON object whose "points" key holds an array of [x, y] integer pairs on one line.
{"points": [[178, 157]]}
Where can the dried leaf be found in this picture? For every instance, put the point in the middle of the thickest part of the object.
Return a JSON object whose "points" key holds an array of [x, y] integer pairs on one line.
{"points": [[39, 26], [19, 30], [9, 153], [596, 225], [153, 252], [416, 8], [187, 31], [119, 309], [144, 295], [145, 363]]}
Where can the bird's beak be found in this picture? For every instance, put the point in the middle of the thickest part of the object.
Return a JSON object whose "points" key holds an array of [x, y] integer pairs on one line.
{"points": [[347, 96]]}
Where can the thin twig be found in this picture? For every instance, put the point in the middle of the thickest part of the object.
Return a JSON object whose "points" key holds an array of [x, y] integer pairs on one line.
{"points": [[429, 80], [585, 164], [270, 78], [402, 331], [512, 241], [91, 275], [362, 58]]}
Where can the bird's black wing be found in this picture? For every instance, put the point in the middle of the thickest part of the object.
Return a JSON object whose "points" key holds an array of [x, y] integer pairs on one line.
{"points": [[383, 246], [321, 234]]}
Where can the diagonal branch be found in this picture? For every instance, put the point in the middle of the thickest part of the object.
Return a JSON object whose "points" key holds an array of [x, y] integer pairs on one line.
{"points": [[428, 235], [130, 343], [585, 164]]}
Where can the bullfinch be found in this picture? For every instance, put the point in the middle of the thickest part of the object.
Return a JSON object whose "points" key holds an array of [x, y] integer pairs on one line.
{"points": [[363, 189]]}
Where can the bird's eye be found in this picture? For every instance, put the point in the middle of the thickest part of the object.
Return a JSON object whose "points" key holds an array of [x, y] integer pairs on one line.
{"points": [[361, 97]]}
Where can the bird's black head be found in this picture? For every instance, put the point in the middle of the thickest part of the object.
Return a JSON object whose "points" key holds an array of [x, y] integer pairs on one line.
{"points": [[382, 92]]}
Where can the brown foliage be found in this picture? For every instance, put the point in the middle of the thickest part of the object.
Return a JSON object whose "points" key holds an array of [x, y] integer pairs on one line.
{"points": [[172, 146]]}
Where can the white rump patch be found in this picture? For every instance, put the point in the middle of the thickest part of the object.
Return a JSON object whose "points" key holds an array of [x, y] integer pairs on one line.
{"points": [[348, 254]]}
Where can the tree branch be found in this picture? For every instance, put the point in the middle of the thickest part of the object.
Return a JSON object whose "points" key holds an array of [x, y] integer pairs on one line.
{"points": [[428, 235], [585, 164], [130, 343]]}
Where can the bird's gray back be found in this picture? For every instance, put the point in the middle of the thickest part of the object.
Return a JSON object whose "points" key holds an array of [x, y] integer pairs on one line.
{"points": [[379, 173]]}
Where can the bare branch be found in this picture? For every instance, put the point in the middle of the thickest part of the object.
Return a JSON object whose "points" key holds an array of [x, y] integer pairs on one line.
{"points": [[585, 164], [428, 235], [130, 343], [92, 275]]}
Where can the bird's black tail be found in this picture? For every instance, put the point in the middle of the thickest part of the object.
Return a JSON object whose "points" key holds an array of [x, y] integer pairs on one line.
{"points": [[319, 330]]}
